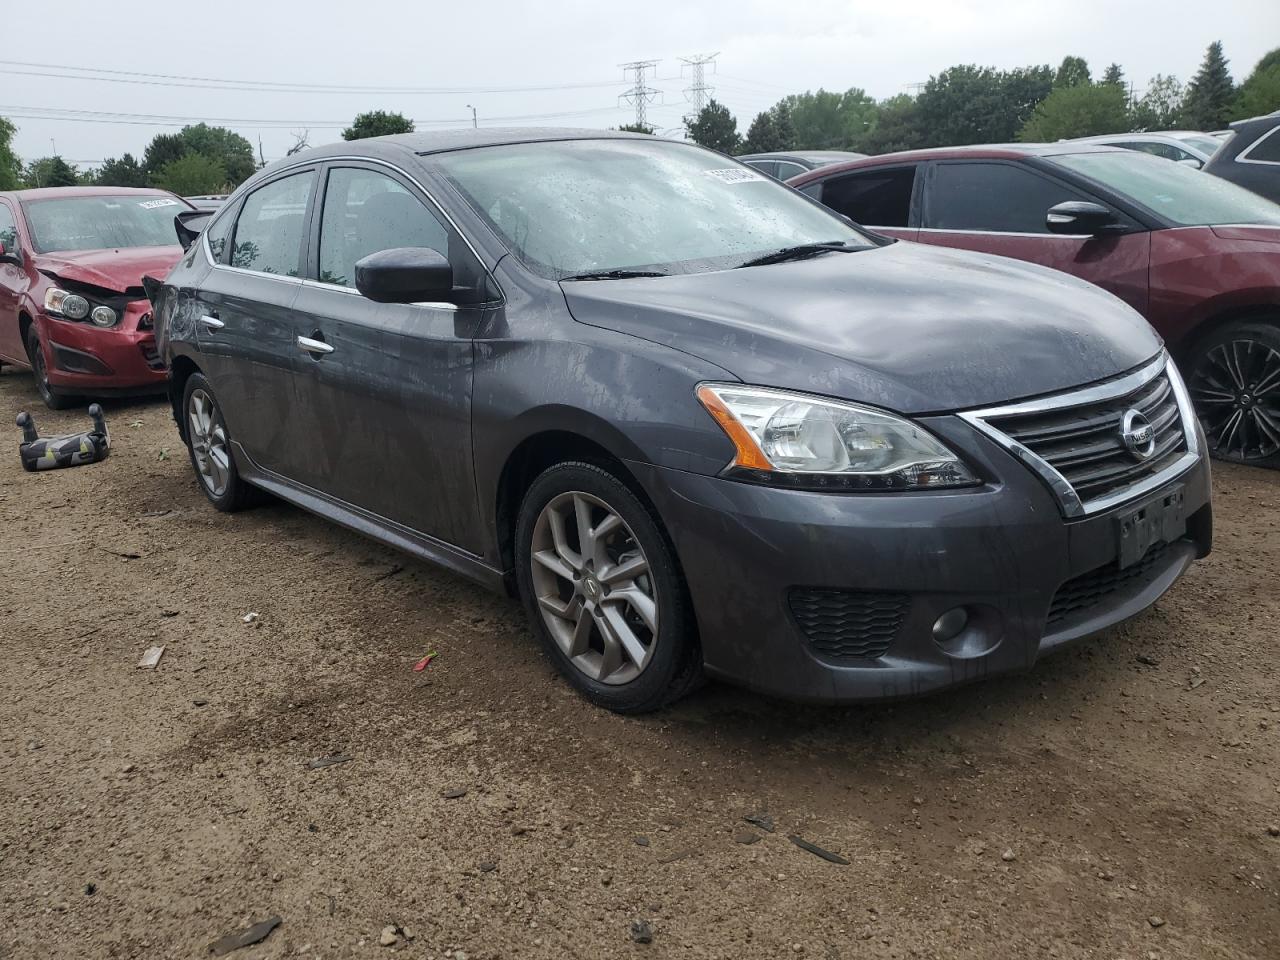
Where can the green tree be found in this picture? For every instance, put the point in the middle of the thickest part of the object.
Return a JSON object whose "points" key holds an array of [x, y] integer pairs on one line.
{"points": [[762, 135], [1078, 111], [125, 172], [50, 172], [972, 104], [897, 127], [192, 174], [164, 148], [10, 165], [1072, 72], [1211, 93], [1114, 75], [227, 147], [635, 128], [1259, 95], [1160, 107], [785, 125], [714, 127], [827, 119], [377, 123]]}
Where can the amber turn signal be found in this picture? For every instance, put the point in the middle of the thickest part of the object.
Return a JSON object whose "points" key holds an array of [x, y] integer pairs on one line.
{"points": [[749, 454]]}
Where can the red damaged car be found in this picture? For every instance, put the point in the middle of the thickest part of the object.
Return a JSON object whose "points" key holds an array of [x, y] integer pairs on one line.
{"points": [[1197, 256], [72, 305]]}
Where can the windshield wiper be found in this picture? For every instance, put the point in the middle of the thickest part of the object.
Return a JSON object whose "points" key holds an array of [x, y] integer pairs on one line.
{"points": [[616, 275], [801, 251]]}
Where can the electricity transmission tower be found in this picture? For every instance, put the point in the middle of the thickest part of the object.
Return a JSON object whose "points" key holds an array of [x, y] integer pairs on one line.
{"points": [[698, 92], [640, 95]]}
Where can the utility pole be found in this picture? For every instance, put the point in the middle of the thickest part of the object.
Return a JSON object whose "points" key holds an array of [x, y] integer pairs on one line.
{"points": [[640, 95], [698, 93], [474, 122]]}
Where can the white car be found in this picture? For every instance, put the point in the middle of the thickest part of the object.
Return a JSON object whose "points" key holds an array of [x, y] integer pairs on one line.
{"points": [[1185, 146]]}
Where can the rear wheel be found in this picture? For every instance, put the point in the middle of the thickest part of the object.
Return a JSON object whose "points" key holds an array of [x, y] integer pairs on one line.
{"points": [[1234, 382], [40, 369], [209, 445], [602, 588]]}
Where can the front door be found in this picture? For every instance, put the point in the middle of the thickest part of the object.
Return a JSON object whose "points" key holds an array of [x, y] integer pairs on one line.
{"points": [[385, 389], [13, 281], [999, 206], [245, 323]]}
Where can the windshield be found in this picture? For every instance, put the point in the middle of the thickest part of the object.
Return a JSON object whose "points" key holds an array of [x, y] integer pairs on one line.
{"points": [[101, 223], [1174, 191], [572, 207], [1201, 141]]}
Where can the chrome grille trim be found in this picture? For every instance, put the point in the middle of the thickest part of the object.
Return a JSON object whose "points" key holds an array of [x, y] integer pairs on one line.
{"points": [[1071, 502]]}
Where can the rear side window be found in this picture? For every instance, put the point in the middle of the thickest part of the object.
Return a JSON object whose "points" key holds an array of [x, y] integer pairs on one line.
{"points": [[877, 198], [365, 212], [270, 228], [992, 197], [786, 170], [8, 230], [1266, 150]]}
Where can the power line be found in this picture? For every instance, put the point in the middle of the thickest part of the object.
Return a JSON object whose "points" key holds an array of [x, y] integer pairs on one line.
{"points": [[640, 95]]}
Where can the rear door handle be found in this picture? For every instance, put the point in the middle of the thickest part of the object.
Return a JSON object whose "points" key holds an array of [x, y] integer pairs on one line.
{"points": [[314, 347], [212, 323]]}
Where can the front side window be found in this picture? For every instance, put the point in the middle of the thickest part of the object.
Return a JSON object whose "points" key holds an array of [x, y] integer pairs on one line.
{"points": [[102, 223], [365, 212], [992, 198], [270, 228], [1179, 194], [877, 198], [8, 229], [1168, 151], [571, 207]]}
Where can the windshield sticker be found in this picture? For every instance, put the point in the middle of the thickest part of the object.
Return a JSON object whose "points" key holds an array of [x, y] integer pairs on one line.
{"points": [[735, 175], [160, 202]]}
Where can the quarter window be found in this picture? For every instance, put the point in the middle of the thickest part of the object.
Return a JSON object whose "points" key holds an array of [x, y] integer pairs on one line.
{"points": [[365, 212], [271, 225], [1267, 149], [878, 198], [218, 233], [992, 197]]}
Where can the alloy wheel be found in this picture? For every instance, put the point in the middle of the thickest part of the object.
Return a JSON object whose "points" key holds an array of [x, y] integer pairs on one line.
{"points": [[1236, 391], [593, 587], [209, 443]]}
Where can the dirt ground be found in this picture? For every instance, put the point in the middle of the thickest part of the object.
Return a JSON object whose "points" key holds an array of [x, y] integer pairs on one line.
{"points": [[1113, 803]]}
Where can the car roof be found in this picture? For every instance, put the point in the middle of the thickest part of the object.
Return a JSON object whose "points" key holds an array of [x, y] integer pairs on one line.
{"points": [[802, 155], [982, 151], [462, 138], [50, 193]]}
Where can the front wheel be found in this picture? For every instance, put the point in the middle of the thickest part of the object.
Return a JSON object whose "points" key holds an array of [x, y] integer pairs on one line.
{"points": [[1233, 377], [40, 369], [603, 590]]}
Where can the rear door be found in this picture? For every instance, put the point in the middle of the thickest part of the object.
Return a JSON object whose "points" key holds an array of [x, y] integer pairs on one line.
{"points": [[999, 206], [13, 281], [245, 330], [384, 390], [881, 198]]}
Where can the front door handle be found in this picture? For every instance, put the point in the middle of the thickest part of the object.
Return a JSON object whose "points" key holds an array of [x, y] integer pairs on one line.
{"points": [[212, 323], [314, 347]]}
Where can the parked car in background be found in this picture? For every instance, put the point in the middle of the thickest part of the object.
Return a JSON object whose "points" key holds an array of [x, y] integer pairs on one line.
{"points": [[1197, 256], [207, 202], [786, 164], [1251, 157], [72, 305], [1183, 146], [769, 445]]}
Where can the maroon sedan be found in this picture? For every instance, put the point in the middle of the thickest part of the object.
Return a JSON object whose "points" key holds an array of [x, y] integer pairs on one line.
{"points": [[1197, 256], [72, 306]]}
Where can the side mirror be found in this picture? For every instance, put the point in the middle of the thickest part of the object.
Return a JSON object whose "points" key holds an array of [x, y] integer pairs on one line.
{"points": [[8, 255], [1081, 217], [189, 224], [405, 275]]}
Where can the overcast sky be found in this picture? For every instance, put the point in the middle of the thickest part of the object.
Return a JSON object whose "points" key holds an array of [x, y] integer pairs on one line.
{"points": [[572, 48]]}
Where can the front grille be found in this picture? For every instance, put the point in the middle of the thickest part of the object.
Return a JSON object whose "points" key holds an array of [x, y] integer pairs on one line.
{"points": [[846, 624], [1081, 441], [1081, 594]]}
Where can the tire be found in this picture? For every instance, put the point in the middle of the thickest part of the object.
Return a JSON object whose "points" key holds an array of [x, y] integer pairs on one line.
{"points": [[1233, 376], [633, 557], [209, 447], [40, 370]]}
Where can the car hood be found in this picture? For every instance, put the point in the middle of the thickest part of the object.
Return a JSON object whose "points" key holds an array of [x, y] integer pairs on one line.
{"points": [[117, 270], [908, 327]]}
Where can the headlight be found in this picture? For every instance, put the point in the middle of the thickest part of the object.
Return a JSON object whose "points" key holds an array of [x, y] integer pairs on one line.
{"points": [[103, 317], [794, 440], [63, 304]]}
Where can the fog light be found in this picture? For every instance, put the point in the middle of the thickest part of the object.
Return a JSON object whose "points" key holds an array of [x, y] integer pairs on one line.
{"points": [[948, 626]]}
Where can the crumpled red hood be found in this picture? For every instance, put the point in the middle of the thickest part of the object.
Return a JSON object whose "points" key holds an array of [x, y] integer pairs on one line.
{"points": [[118, 270]]}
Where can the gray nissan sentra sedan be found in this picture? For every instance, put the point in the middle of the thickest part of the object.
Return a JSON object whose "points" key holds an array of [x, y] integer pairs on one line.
{"points": [[700, 424]]}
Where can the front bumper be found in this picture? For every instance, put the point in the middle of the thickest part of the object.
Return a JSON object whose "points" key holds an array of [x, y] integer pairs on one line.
{"points": [[1002, 551], [84, 359]]}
